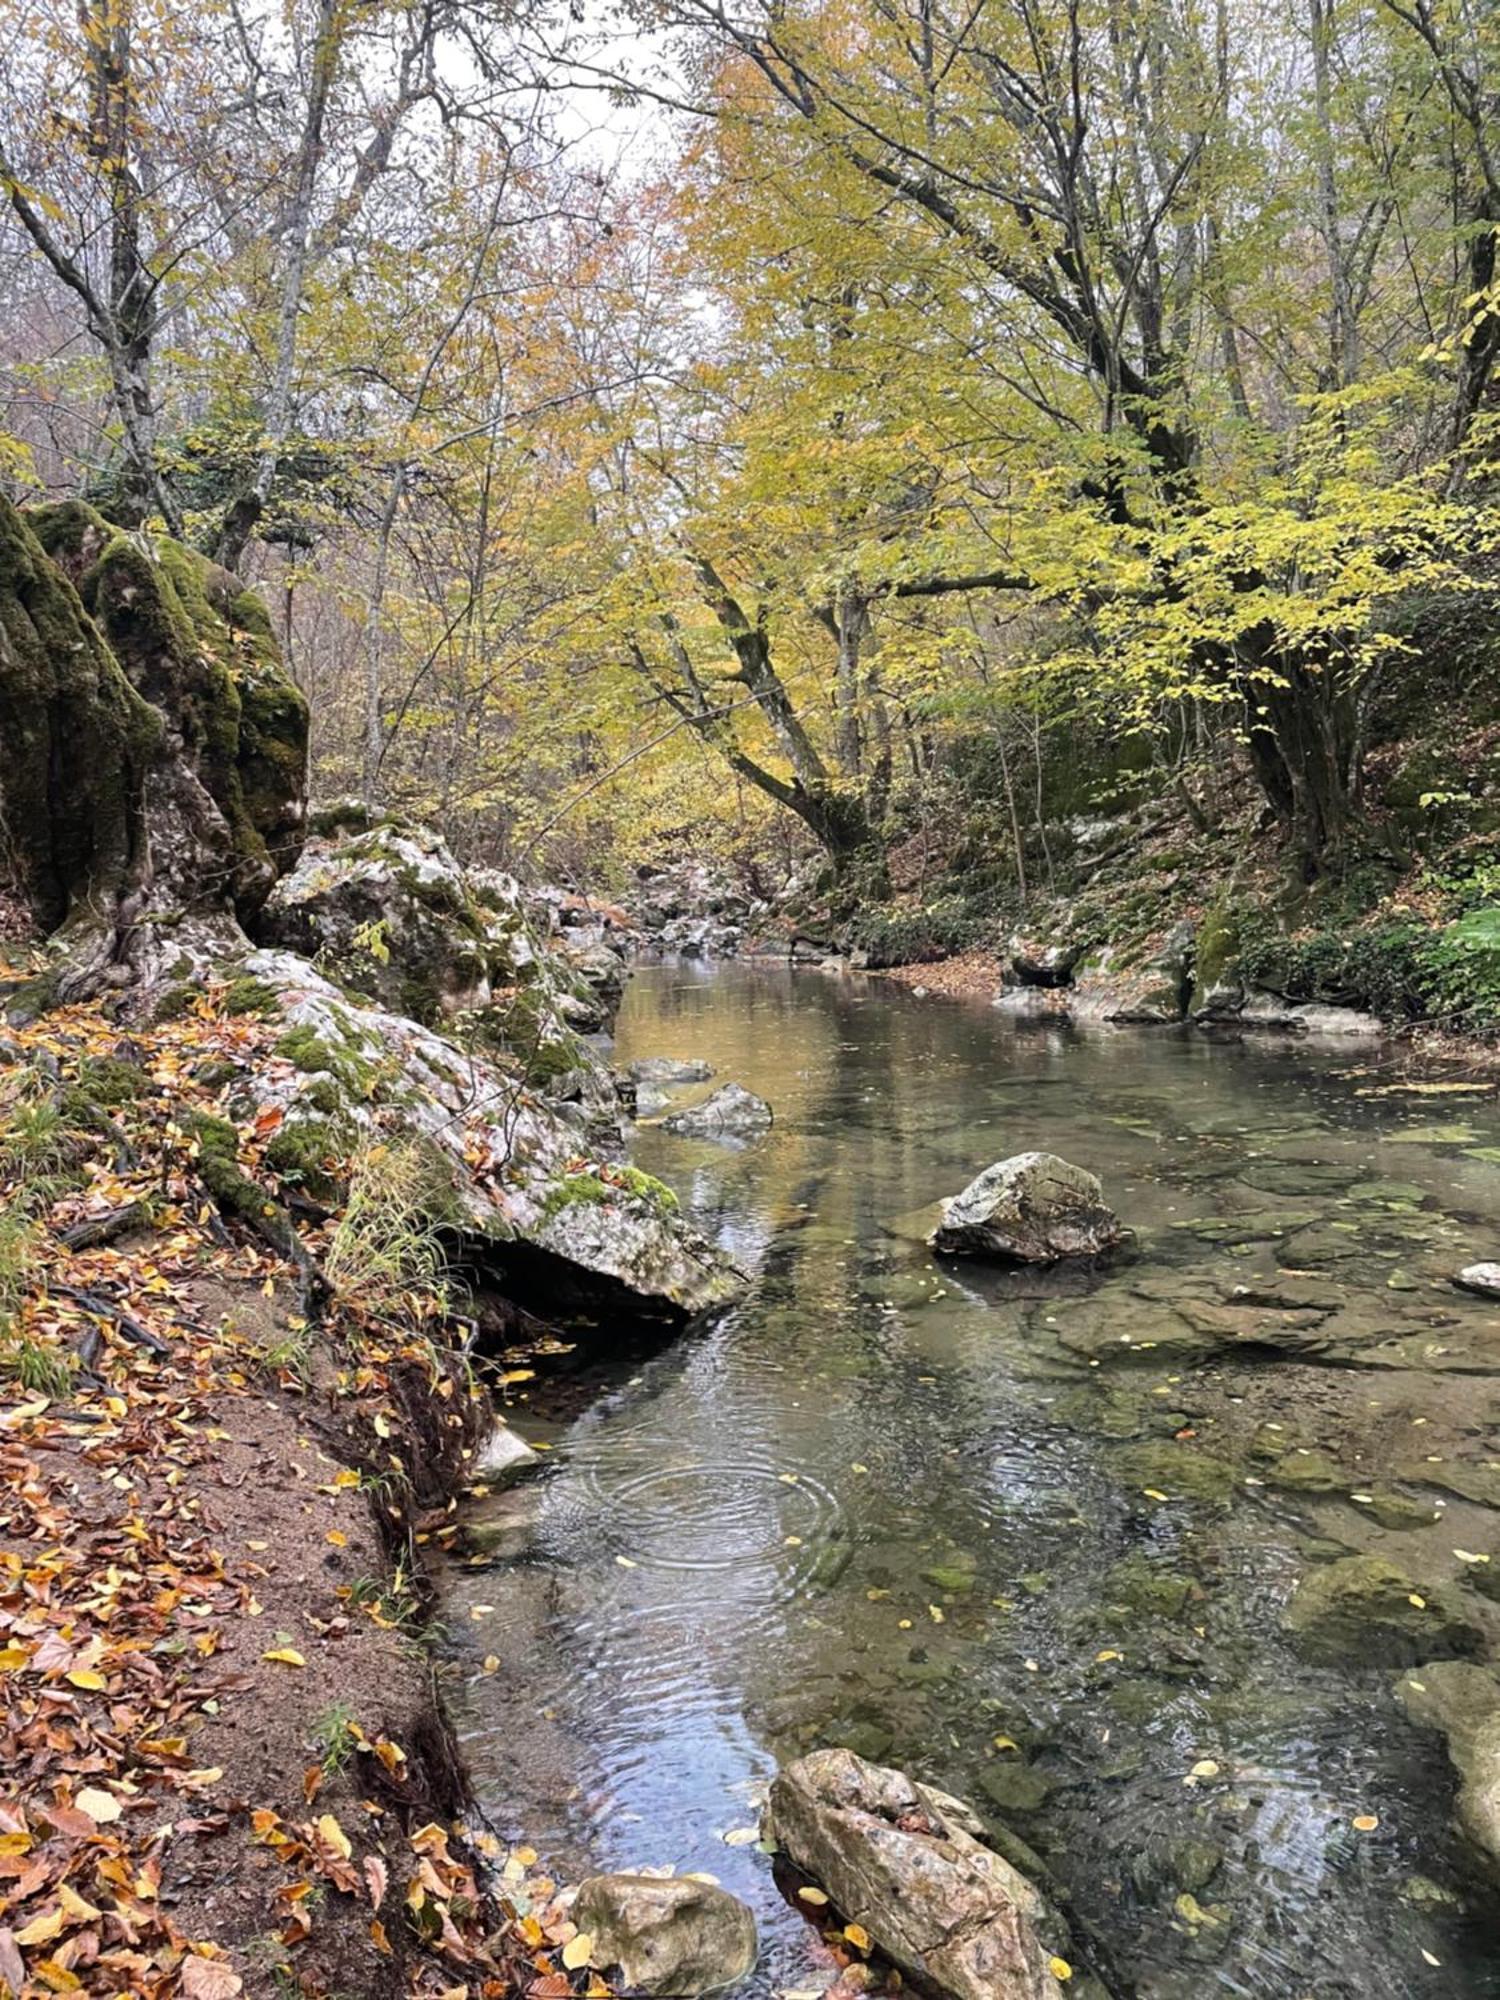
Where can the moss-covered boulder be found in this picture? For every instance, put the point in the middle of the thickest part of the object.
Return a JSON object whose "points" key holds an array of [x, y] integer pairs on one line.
{"points": [[390, 910], [152, 752], [1364, 1610]]}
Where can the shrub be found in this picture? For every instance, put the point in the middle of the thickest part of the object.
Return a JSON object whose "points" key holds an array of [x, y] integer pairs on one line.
{"points": [[913, 937]]}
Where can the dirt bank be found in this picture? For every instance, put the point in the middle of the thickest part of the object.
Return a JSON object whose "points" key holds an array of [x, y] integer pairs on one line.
{"points": [[224, 1766]]}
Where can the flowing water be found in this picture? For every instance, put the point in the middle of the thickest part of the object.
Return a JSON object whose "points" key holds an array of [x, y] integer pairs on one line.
{"points": [[954, 1519]]}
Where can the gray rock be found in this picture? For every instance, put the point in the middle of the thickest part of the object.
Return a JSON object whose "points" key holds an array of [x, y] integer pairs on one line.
{"points": [[503, 1458], [732, 1112], [1032, 1209], [910, 1865], [503, 1162], [1305, 1017], [1155, 991], [1036, 963], [1481, 1278], [671, 1069], [1365, 1609], [667, 1935]]}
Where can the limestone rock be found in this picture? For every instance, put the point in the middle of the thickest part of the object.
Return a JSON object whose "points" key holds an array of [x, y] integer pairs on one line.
{"points": [[1481, 1278], [1364, 1609], [732, 1112], [1032, 1209], [504, 1160], [503, 1458], [1156, 990], [909, 1864], [667, 1935]]}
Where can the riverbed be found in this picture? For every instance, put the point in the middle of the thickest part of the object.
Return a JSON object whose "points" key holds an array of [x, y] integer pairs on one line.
{"points": [[1030, 1538]]}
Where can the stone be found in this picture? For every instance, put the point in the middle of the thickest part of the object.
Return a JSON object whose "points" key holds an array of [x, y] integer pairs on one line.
{"points": [[732, 1112], [1149, 1588], [1036, 963], [1107, 989], [1308, 1472], [667, 1935], [1297, 1017], [501, 1161], [1178, 1472], [671, 1069], [1481, 1278], [911, 1866], [1365, 1610], [502, 1459], [1463, 1702], [1031, 1209]]}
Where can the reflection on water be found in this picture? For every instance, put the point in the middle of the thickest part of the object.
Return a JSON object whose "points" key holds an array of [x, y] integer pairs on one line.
{"points": [[917, 1508]]}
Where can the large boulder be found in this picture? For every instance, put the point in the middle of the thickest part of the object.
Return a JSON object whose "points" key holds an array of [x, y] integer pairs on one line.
{"points": [[511, 1178], [153, 754], [1109, 986], [1365, 1610], [667, 1935], [731, 1112], [1031, 1209], [392, 912], [911, 1866]]}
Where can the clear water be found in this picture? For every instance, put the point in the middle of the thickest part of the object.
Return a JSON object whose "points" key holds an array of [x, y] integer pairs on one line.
{"points": [[884, 1502]]}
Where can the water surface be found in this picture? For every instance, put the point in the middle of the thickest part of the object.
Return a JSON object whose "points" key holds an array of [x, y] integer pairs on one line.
{"points": [[901, 1504]]}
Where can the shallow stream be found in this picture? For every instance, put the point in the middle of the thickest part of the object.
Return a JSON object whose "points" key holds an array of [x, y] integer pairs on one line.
{"points": [[1028, 1538]]}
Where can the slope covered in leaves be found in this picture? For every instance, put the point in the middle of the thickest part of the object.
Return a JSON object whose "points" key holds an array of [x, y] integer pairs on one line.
{"points": [[222, 1763]]}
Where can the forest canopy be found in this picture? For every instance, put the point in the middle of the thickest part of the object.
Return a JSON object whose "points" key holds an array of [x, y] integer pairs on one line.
{"points": [[750, 422]]}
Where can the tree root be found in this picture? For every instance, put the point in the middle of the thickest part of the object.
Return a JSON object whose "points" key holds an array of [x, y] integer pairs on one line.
{"points": [[110, 1309]]}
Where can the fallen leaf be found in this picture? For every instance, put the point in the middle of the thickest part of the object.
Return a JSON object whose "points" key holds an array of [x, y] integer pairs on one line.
{"points": [[814, 1896], [101, 1807], [1364, 1822], [287, 1655], [210, 1979], [858, 1936], [578, 1951]]}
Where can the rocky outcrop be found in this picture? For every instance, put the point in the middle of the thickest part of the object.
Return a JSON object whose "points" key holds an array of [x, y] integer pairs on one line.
{"points": [[1107, 988], [732, 1112], [507, 1170], [1032, 1209], [666, 1935], [910, 1865], [691, 908], [1364, 1609], [153, 753]]}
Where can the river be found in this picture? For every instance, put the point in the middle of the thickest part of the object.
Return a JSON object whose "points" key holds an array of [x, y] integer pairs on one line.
{"points": [[932, 1511]]}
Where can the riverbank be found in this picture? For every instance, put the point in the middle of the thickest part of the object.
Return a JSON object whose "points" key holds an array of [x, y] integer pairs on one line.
{"points": [[227, 1766]]}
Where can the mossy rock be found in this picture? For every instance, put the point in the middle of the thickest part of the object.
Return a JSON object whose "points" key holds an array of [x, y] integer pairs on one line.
{"points": [[112, 1082], [309, 1153], [1177, 1472], [1363, 1610], [1148, 1588], [1308, 1472]]}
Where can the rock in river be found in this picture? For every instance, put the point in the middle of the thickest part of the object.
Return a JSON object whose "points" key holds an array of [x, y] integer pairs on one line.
{"points": [[668, 1935], [671, 1069], [1366, 1610], [1481, 1278], [732, 1112], [1032, 1209], [1463, 1701], [910, 1865]]}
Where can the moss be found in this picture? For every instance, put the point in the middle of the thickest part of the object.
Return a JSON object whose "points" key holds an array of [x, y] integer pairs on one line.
{"points": [[324, 1096], [249, 996], [573, 1190], [1216, 947], [1176, 1472], [309, 1153], [107, 1081], [591, 1188], [76, 740], [306, 1050], [173, 1002], [646, 1187]]}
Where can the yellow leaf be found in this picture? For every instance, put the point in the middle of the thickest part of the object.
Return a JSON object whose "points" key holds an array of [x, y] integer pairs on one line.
{"points": [[338, 1538], [1059, 1968], [333, 1835], [87, 1677], [1364, 1822], [858, 1936], [1006, 1743], [578, 1951], [1109, 1653], [814, 1896], [287, 1655], [12, 1657]]}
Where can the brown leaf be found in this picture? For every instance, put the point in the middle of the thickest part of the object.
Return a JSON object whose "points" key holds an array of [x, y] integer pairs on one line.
{"points": [[210, 1979]]}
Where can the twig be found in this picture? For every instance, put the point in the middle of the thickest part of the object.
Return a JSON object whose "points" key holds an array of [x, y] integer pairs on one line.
{"points": [[103, 1308]]}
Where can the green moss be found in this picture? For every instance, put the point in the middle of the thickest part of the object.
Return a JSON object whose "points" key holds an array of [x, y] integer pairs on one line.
{"points": [[646, 1187], [111, 1082], [572, 1190], [306, 1050], [309, 1153], [591, 1188], [249, 996], [173, 1002], [1216, 947]]}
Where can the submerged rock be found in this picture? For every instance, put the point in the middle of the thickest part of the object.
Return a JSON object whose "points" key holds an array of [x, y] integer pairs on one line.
{"points": [[1032, 1209], [732, 1112], [1365, 1610], [667, 1934], [503, 1458], [911, 1866], [1463, 1701], [671, 1069]]}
